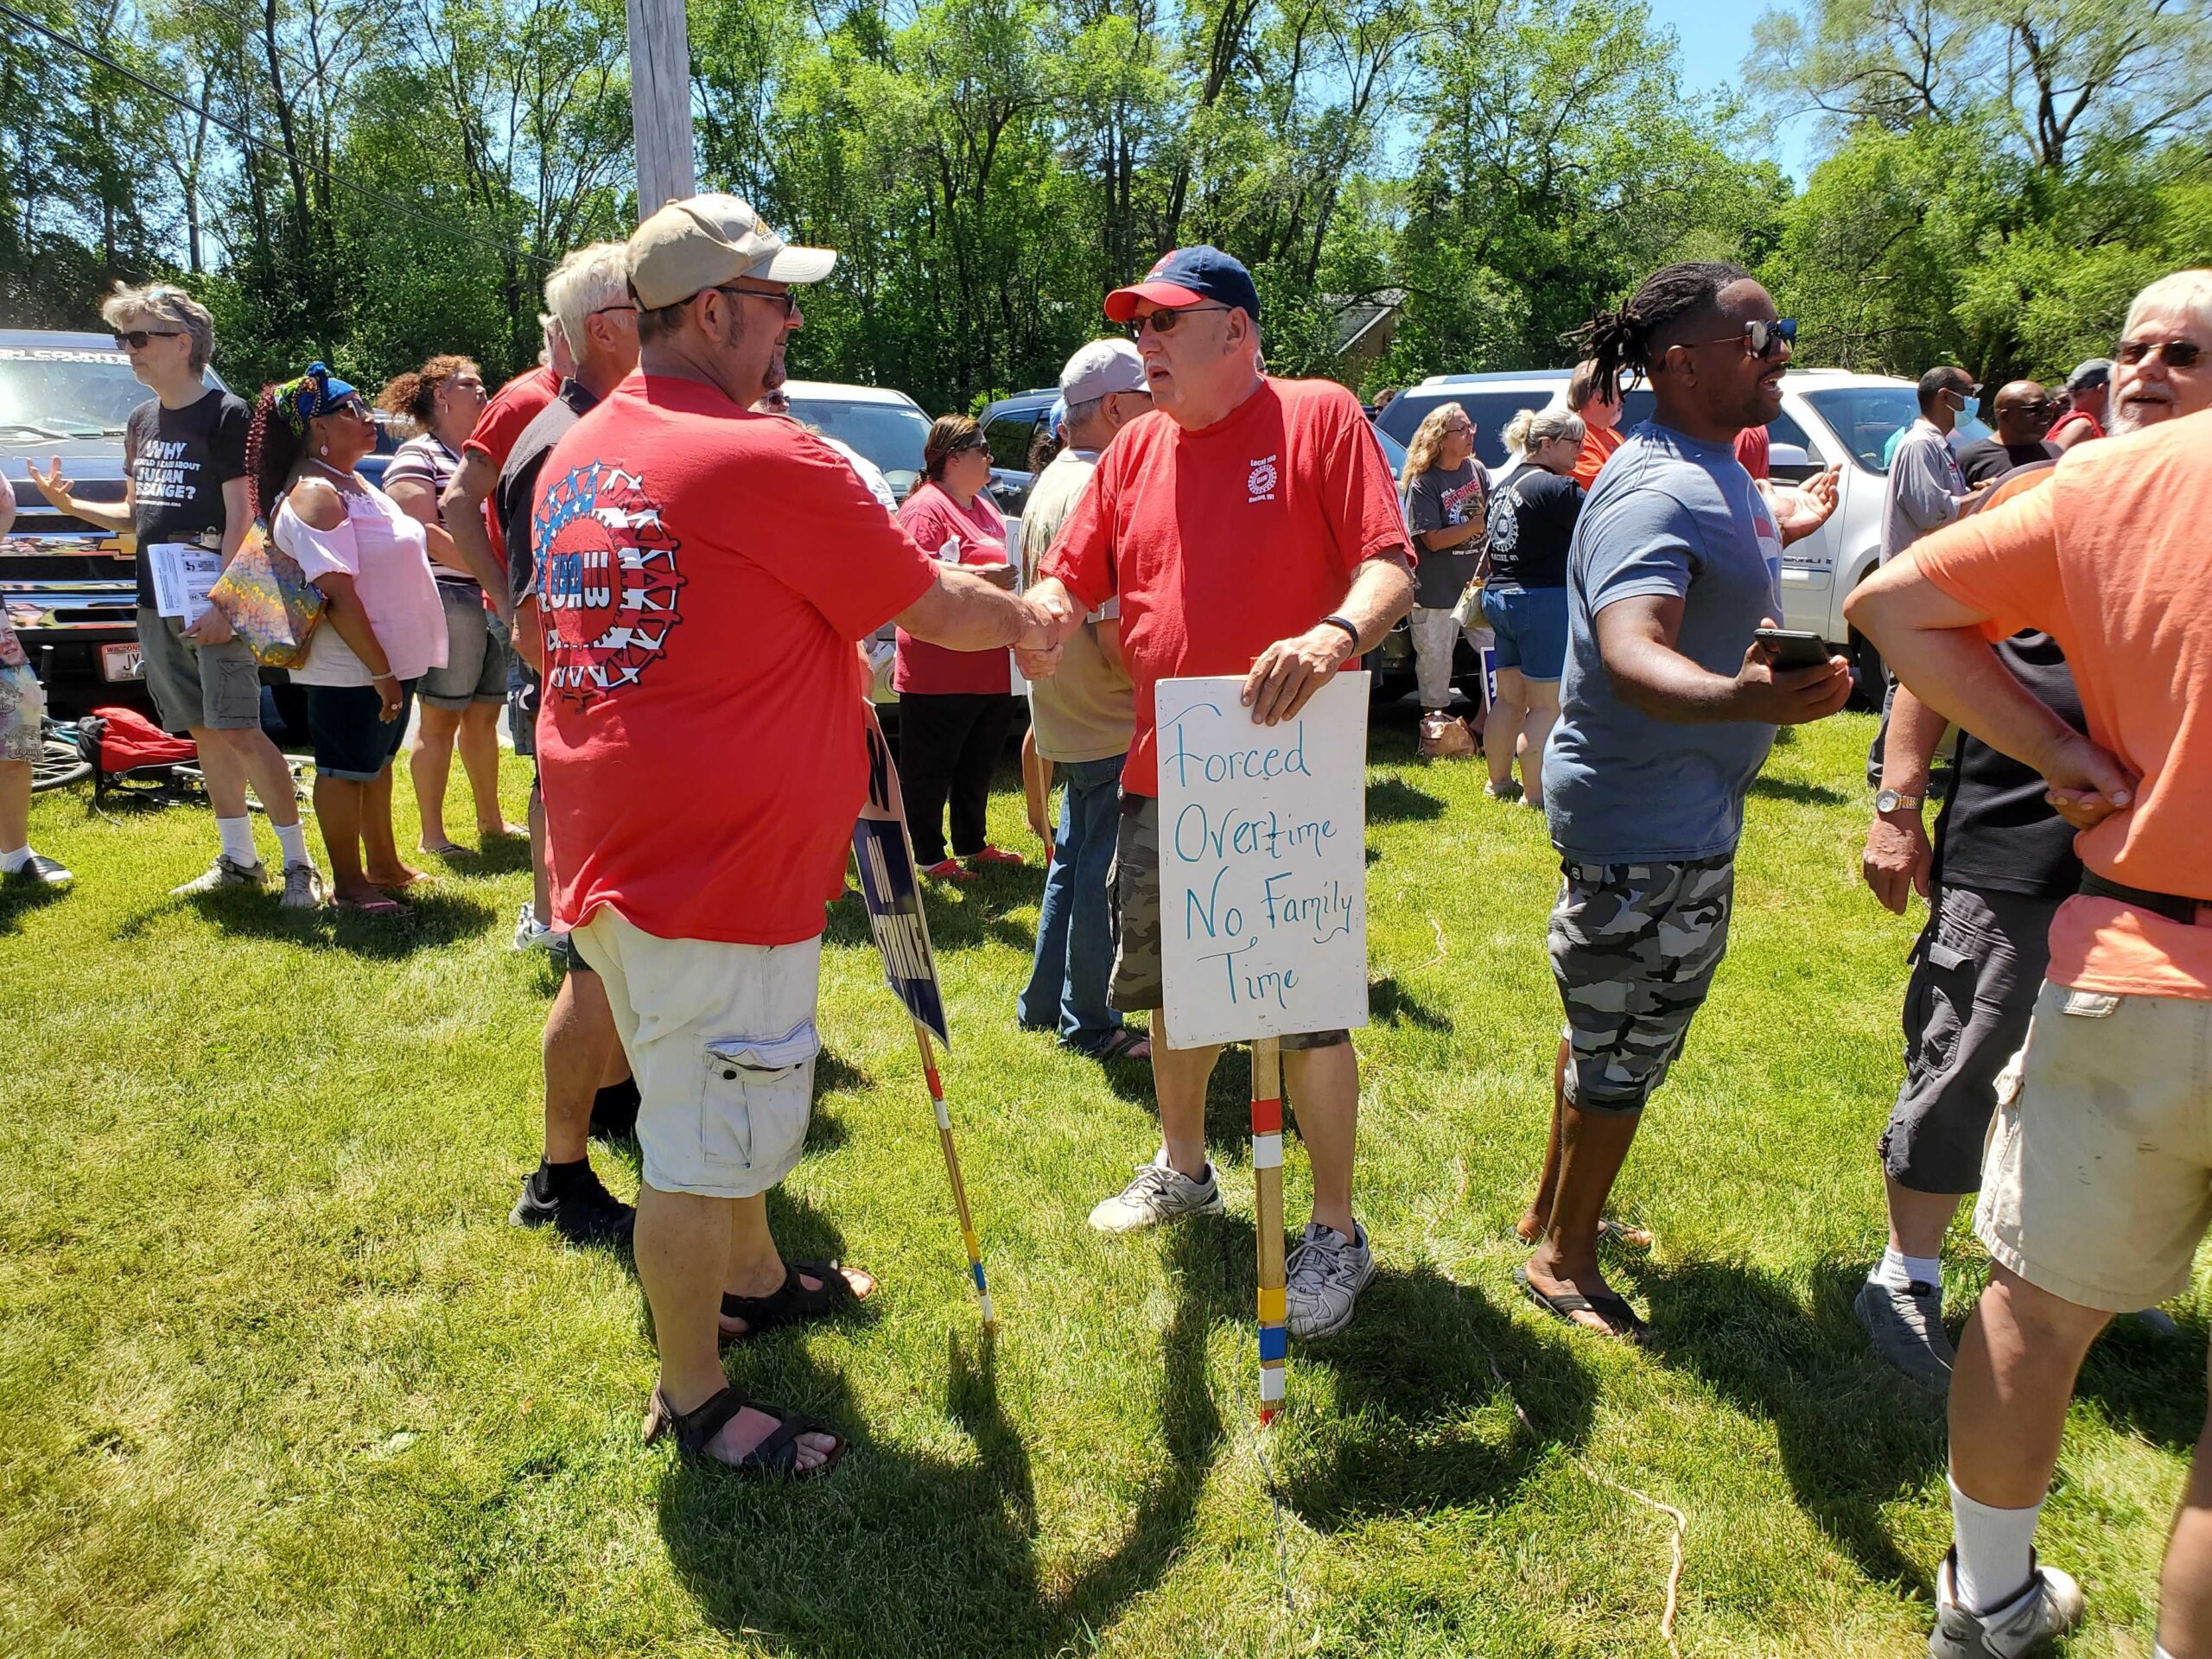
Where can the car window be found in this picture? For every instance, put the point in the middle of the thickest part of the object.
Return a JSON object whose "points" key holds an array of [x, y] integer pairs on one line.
{"points": [[67, 392], [1783, 430], [1009, 436], [1866, 417], [1490, 410], [890, 435]]}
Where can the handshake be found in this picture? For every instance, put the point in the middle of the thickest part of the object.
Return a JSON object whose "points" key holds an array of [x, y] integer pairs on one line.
{"points": [[1050, 616]]}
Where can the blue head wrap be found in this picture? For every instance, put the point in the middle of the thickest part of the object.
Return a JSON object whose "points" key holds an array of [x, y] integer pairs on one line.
{"points": [[315, 393]]}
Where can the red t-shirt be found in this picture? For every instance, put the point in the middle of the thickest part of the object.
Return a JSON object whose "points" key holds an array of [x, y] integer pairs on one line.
{"points": [[1221, 540], [932, 518], [704, 575], [1752, 450], [1598, 443], [512, 408]]}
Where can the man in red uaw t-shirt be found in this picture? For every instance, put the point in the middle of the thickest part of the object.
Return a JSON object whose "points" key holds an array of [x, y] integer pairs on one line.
{"points": [[704, 575], [1249, 525]]}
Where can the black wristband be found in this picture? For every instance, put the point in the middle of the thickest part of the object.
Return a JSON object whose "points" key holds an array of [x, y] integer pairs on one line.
{"points": [[1334, 620]]}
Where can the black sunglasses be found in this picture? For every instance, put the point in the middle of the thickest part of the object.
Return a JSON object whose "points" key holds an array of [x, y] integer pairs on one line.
{"points": [[787, 301], [1760, 340], [1163, 322], [2177, 353], [136, 339]]}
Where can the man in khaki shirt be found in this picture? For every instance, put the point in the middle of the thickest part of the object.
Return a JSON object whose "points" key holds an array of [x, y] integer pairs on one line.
{"points": [[1081, 720]]}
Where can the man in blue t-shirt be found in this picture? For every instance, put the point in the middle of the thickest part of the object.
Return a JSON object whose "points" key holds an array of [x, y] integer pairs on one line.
{"points": [[1666, 711]]}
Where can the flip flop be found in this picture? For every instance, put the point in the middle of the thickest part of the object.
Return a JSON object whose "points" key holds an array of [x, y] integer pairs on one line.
{"points": [[1123, 1045], [1625, 1235], [373, 906], [1622, 1322]]}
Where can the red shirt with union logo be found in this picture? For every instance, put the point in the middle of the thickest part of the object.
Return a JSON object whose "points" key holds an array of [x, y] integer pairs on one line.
{"points": [[703, 573], [1223, 540]]}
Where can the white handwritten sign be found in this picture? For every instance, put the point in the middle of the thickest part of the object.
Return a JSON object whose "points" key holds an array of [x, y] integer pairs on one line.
{"points": [[1262, 863]]}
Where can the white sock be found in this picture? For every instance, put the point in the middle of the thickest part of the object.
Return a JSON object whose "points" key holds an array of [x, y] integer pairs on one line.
{"points": [[2160, 1653], [238, 840], [293, 838], [1902, 1272], [10, 863], [1992, 1551]]}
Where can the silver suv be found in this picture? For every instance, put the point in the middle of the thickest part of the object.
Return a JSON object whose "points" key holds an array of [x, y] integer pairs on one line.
{"points": [[1828, 415]]}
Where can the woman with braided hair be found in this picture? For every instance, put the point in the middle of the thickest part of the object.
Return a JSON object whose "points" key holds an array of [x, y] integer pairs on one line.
{"points": [[1666, 710], [383, 626]]}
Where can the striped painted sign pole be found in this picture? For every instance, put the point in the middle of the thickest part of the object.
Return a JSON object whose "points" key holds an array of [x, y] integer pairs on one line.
{"points": [[960, 1187], [1267, 1205]]}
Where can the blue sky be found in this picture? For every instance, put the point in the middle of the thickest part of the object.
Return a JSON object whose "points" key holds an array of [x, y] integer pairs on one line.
{"points": [[1714, 35]]}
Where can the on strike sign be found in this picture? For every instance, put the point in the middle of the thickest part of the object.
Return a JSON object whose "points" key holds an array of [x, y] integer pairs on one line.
{"points": [[1262, 863]]}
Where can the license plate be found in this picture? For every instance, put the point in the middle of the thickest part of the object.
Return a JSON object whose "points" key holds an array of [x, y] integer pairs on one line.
{"points": [[122, 663]]}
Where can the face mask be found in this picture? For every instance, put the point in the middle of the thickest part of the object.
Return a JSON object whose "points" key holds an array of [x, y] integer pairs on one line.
{"points": [[1972, 408]]}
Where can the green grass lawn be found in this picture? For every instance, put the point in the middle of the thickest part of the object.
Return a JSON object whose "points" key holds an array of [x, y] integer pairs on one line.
{"points": [[277, 1377]]}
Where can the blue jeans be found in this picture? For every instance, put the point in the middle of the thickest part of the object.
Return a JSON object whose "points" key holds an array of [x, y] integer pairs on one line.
{"points": [[1075, 935]]}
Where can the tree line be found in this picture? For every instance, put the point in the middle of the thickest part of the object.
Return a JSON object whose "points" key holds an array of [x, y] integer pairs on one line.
{"points": [[374, 180]]}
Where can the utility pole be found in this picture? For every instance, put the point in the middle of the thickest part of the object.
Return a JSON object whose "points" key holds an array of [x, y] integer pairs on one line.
{"points": [[660, 103]]}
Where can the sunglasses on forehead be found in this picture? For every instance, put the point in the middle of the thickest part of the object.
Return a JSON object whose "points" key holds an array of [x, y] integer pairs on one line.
{"points": [[2175, 353], [1760, 340]]}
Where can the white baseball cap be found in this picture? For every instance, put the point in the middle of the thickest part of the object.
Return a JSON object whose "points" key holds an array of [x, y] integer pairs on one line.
{"points": [[1102, 367], [703, 241]]}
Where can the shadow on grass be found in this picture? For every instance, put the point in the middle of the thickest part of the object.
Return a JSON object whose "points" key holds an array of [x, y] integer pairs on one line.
{"points": [[1390, 1003], [910, 1553], [961, 915], [1852, 1435], [437, 915], [501, 855], [2150, 1385], [1804, 794], [1392, 800], [19, 898]]}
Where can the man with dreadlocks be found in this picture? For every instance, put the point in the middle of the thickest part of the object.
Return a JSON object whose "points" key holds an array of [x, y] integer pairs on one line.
{"points": [[1666, 711]]}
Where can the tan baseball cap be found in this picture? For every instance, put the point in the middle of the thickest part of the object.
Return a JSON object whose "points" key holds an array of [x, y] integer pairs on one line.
{"points": [[703, 241]]}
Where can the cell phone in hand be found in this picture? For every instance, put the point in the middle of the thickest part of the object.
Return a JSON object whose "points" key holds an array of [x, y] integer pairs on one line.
{"points": [[1793, 648]]}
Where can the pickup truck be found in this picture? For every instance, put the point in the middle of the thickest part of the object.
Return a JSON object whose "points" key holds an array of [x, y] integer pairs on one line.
{"points": [[70, 587]]}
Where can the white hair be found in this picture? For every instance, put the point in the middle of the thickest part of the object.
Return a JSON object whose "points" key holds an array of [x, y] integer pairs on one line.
{"points": [[2186, 291], [589, 279]]}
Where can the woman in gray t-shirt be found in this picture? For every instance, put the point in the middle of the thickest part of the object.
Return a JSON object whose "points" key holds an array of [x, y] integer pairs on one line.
{"points": [[1447, 506]]}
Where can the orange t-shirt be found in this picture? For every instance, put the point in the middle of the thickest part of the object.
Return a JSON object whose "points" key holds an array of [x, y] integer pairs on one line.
{"points": [[2112, 560], [1598, 443]]}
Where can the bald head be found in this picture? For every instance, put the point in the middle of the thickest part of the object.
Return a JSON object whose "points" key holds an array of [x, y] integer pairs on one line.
{"points": [[2022, 412]]}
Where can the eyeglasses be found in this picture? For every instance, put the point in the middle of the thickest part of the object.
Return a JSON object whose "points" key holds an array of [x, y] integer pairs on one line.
{"points": [[1760, 340], [787, 300], [2026, 406], [136, 339], [2175, 353], [1163, 322], [625, 306]]}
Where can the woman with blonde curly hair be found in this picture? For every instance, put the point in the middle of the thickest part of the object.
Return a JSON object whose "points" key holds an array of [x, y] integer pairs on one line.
{"points": [[1447, 509]]}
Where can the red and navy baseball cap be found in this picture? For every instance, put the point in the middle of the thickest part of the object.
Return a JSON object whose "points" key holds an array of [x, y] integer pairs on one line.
{"points": [[1189, 277]]}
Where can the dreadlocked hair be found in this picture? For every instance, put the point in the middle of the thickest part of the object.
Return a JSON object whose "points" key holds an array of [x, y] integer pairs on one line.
{"points": [[273, 450], [1619, 341]]}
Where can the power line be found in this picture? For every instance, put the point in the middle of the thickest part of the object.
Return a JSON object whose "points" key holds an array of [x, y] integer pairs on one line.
{"points": [[262, 145]]}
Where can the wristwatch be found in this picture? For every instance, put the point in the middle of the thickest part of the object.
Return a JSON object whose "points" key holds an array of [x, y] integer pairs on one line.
{"points": [[1888, 801]]}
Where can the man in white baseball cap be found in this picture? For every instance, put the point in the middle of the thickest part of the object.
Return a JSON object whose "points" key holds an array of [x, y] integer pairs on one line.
{"points": [[704, 575], [1081, 720]]}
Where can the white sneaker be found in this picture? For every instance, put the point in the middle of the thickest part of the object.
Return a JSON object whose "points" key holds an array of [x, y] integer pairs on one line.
{"points": [[2050, 1605], [531, 934], [303, 887], [225, 871], [1323, 1279], [1157, 1193]]}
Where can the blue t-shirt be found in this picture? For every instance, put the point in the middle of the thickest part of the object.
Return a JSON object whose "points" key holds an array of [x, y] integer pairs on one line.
{"points": [[1669, 515]]}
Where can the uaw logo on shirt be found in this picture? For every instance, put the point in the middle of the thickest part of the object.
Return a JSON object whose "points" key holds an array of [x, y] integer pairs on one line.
{"points": [[606, 582], [1260, 485]]}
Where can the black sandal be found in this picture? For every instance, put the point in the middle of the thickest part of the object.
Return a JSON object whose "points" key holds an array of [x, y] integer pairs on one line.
{"points": [[794, 1304], [1623, 1323], [775, 1458]]}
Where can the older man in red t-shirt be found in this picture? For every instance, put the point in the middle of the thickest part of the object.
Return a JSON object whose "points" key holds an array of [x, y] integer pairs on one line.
{"points": [[1247, 524], [704, 575]]}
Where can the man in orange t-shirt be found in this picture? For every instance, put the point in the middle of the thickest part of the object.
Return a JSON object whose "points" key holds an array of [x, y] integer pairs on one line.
{"points": [[1599, 405], [2097, 1185]]}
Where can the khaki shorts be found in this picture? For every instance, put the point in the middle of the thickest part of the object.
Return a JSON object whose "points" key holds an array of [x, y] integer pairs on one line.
{"points": [[720, 1039], [2097, 1184], [1139, 983], [215, 688]]}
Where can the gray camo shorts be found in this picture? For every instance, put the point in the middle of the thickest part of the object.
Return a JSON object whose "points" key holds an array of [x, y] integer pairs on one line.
{"points": [[1633, 947]]}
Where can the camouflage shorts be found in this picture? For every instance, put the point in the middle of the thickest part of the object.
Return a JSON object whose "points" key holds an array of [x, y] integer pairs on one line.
{"points": [[21, 704], [1633, 947], [1139, 983]]}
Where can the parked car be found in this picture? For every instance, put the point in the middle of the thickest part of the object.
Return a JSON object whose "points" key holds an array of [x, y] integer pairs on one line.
{"points": [[70, 585], [1828, 416], [1010, 426]]}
